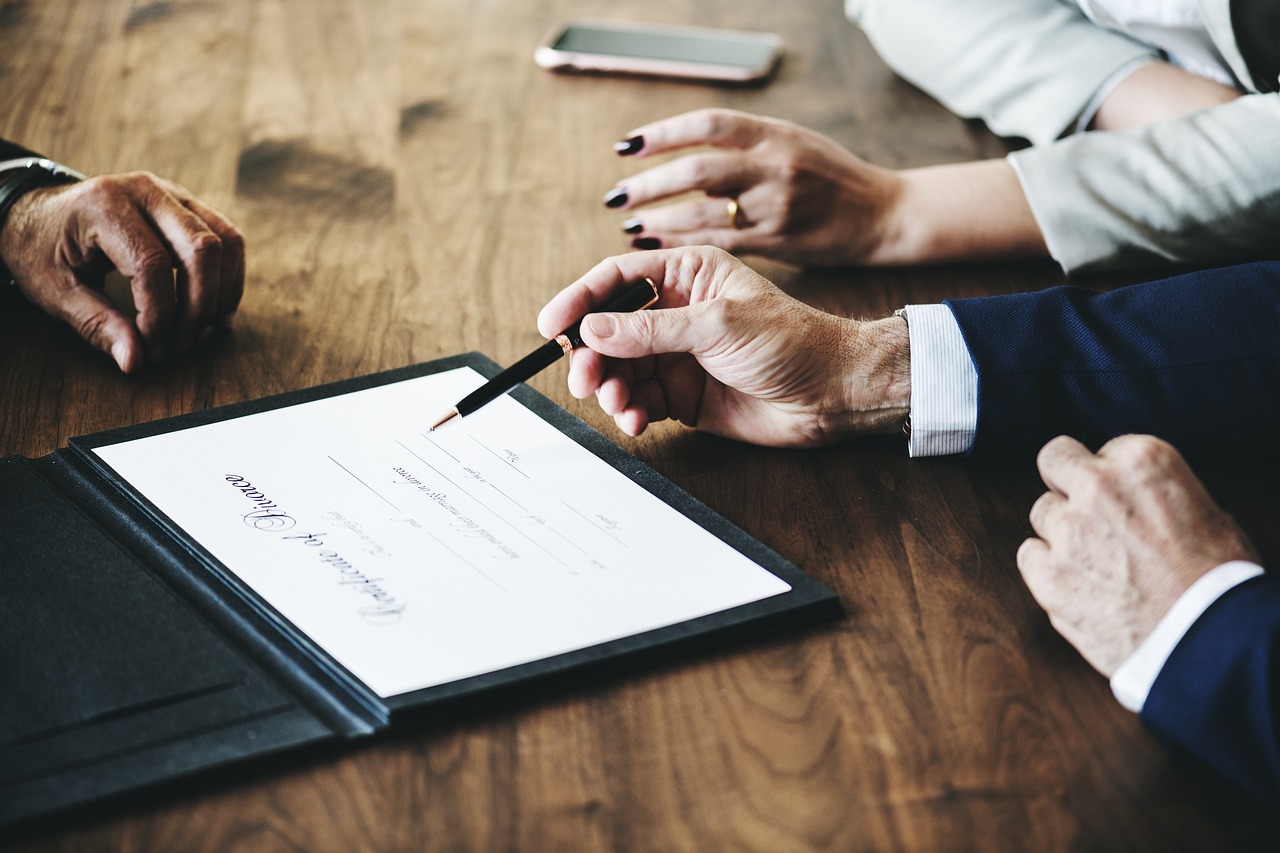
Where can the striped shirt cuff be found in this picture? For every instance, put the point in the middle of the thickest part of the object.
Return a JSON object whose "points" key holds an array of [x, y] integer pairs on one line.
{"points": [[944, 383]]}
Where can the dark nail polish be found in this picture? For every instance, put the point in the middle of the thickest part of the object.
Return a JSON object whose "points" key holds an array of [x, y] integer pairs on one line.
{"points": [[633, 226], [646, 243], [628, 146], [615, 197]]}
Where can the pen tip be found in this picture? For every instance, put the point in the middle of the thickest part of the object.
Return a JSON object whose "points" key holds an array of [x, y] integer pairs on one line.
{"points": [[452, 413]]}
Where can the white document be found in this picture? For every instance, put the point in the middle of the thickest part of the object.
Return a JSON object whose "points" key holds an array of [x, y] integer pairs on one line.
{"points": [[417, 558]]}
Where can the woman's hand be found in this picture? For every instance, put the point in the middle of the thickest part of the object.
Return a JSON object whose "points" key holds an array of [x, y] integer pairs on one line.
{"points": [[775, 189], [800, 197]]}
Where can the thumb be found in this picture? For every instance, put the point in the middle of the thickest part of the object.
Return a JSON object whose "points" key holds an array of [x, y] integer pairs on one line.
{"points": [[99, 322], [641, 333]]}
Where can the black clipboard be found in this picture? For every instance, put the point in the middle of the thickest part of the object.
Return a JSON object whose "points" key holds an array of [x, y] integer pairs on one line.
{"points": [[132, 657]]}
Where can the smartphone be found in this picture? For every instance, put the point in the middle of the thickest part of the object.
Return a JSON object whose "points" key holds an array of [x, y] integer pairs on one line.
{"points": [[701, 53]]}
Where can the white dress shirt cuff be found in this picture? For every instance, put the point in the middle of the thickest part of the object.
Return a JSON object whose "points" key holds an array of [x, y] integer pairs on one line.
{"points": [[1132, 681], [944, 383]]}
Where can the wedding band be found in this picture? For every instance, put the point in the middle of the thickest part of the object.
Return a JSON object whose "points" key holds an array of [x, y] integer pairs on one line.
{"points": [[735, 214]]}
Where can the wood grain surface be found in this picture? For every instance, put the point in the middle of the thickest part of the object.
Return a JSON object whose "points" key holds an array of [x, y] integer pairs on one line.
{"points": [[411, 186]]}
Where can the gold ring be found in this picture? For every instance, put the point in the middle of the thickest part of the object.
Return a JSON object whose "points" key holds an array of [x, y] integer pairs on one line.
{"points": [[736, 217]]}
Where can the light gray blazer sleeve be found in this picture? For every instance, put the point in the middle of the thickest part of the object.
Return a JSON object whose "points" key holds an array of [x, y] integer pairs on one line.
{"points": [[1200, 189], [1025, 67]]}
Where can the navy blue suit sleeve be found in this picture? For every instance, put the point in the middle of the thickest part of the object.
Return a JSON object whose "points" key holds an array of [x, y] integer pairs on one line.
{"points": [[1216, 696], [11, 151], [1193, 359]]}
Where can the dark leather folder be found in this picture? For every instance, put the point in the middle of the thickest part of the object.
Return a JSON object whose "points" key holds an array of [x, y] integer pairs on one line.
{"points": [[131, 656]]}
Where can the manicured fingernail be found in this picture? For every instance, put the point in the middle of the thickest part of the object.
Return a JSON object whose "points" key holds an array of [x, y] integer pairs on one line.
{"points": [[633, 226], [646, 243], [601, 325], [120, 352], [629, 146], [615, 197]]}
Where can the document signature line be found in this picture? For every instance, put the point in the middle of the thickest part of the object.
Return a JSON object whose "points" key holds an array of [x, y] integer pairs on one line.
{"points": [[502, 458], [493, 512], [508, 497], [434, 444], [599, 527], [472, 565], [366, 485], [437, 446]]}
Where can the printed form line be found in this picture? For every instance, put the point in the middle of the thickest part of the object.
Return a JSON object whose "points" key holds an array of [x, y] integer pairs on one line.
{"points": [[603, 530], [366, 485], [502, 458], [459, 461], [435, 444], [488, 508], [473, 566]]}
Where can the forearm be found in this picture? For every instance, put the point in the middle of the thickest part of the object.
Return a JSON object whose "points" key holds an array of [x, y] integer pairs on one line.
{"points": [[960, 212], [1155, 92]]}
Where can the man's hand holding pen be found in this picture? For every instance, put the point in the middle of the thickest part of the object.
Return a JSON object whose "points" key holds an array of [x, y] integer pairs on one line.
{"points": [[727, 352]]}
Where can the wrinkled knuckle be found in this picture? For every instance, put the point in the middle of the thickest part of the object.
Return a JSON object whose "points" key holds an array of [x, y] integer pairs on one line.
{"points": [[642, 324], [1094, 483], [720, 313], [698, 171], [233, 241], [1025, 556], [153, 264], [141, 178], [206, 243], [715, 255], [100, 190], [1150, 451], [788, 169], [92, 326], [712, 121], [1052, 448]]}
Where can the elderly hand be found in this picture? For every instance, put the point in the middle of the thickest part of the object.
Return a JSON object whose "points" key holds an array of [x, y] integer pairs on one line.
{"points": [[1122, 534], [727, 352], [184, 261], [801, 198]]}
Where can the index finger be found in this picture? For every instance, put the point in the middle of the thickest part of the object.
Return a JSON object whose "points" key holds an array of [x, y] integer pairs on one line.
{"points": [[1060, 462], [126, 238], [601, 283], [716, 127]]}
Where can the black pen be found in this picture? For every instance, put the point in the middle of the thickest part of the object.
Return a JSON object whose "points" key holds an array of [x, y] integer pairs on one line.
{"points": [[637, 297]]}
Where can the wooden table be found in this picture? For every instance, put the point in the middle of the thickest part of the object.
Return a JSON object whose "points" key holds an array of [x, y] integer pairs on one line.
{"points": [[412, 186]]}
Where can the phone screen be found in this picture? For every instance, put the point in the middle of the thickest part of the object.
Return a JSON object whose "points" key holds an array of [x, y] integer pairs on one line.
{"points": [[655, 44]]}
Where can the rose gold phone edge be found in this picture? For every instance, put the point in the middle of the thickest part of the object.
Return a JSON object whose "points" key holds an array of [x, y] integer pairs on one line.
{"points": [[548, 57]]}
